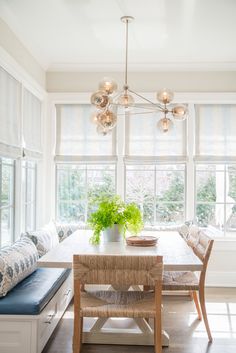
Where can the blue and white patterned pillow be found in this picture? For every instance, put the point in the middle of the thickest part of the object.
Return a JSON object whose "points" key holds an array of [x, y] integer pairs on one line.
{"points": [[16, 262], [41, 239], [64, 230]]}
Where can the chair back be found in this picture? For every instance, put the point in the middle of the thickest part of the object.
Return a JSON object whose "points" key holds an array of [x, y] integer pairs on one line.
{"points": [[118, 270], [201, 244]]}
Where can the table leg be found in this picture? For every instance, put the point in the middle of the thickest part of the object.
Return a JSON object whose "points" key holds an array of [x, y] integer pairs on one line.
{"points": [[138, 333]]}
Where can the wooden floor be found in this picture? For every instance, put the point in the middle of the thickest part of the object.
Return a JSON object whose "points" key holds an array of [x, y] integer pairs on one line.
{"points": [[187, 334]]}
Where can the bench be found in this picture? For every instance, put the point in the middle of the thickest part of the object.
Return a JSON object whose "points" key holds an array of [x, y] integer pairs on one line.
{"points": [[30, 311]]}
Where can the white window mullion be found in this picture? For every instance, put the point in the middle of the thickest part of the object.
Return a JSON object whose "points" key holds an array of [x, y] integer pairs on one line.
{"points": [[225, 168], [17, 196], [120, 170], [190, 174]]}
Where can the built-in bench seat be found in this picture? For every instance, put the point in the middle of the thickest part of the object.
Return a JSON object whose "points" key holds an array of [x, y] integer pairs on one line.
{"points": [[32, 300], [31, 311], [31, 295]]}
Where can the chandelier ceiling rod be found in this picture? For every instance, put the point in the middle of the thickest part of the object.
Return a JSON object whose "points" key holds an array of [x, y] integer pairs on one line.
{"points": [[107, 103], [126, 20]]}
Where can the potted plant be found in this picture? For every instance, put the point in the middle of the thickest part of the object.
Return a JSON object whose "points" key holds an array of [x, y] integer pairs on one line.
{"points": [[114, 217]]}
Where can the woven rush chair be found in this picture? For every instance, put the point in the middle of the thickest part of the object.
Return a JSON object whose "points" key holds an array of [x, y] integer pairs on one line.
{"points": [[201, 245], [120, 272]]}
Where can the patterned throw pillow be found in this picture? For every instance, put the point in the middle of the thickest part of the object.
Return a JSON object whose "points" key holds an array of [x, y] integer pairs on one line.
{"points": [[184, 228], [184, 231], [64, 230], [41, 239], [16, 262], [193, 237]]}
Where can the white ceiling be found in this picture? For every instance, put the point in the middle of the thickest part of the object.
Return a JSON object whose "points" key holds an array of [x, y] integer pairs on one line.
{"points": [[88, 35]]}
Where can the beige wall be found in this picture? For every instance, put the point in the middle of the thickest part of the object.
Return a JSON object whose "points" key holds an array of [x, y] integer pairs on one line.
{"points": [[145, 81], [11, 44]]}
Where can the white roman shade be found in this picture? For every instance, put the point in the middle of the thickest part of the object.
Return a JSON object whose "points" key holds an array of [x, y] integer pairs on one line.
{"points": [[10, 127], [144, 141], [215, 138], [32, 125], [77, 139]]}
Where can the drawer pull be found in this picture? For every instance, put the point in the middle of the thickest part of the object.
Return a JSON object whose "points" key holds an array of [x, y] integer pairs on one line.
{"points": [[50, 318], [68, 292]]}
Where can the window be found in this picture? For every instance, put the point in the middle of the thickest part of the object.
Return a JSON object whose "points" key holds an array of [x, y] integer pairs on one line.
{"points": [[187, 173], [28, 195], [20, 136], [86, 163], [216, 197], [78, 185], [153, 177], [7, 169], [159, 190], [215, 171]]}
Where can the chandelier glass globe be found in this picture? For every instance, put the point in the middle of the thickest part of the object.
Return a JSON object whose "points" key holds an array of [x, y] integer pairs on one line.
{"points": [[100, 99], [180, 112], [165, 96], [107, 119], [126, 100], [165, 124], [108, 85]]}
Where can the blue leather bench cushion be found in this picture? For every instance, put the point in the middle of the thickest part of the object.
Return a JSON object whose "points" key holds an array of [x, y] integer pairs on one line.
{"points": [[31, 295]]}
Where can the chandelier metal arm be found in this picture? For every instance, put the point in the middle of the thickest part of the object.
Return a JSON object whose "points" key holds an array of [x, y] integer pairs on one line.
{"points": [[138, 113], [158, 106], [134, 106]]}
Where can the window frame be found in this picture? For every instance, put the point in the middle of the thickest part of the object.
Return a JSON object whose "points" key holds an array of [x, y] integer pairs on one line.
{"points": [[86, 182], [25, 167], [13, 191], [223, 203], [155, 199]]}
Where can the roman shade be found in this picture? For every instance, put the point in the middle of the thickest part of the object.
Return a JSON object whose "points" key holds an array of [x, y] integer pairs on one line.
{"points": [[77, 139], [31, 125], [10, 125], [144, 141], [215, 133]]}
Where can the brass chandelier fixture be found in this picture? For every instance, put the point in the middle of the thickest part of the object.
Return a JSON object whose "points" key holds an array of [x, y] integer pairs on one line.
{"points": [[108, 102]]}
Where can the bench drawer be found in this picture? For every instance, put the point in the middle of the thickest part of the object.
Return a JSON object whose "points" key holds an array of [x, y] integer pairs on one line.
{"points": [[53, 312]]}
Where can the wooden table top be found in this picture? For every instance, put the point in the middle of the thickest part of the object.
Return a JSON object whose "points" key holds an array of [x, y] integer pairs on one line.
{"points": [[177, 255]]}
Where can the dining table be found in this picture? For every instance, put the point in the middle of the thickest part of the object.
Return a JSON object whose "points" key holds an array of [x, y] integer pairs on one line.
{"points": [[177, 256]]}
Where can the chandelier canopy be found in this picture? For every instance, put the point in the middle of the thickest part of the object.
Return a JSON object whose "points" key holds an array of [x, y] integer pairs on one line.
{"points": [[107, 100]]}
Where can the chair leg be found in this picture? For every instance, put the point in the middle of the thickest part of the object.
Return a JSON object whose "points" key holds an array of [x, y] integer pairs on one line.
{"points": [[81, 332], [157, 336], [77, 335], [196, 302], [147, 289], [204, 313]]}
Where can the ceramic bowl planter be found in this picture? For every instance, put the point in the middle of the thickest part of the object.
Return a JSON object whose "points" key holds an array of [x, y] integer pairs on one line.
{"points": [[112, 234]]}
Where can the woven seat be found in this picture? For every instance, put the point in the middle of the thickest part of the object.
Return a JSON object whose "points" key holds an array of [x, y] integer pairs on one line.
{"points": [[120, 272], [117, 304], [180, 280], [201, 245]]}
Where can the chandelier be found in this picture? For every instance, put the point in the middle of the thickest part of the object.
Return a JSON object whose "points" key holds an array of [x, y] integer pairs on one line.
{"points": [[108, 102]]}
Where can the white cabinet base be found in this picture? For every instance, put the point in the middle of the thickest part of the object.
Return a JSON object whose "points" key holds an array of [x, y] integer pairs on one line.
{"points": [[30, 333]]}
